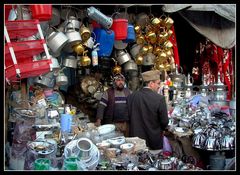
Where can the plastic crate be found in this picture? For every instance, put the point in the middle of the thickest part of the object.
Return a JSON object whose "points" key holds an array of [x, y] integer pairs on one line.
{"points": [[22, 28], [25, 49], [31, 69]]}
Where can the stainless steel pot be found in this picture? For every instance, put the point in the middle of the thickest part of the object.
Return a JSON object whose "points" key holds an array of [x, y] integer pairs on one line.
{"points": [[74, 38], [61, 79], [70, 61], [123, 57], [135, 50], [72, 23], [130, 66], [56, 41], [198, 140], [44, 81], [166, 164], [148, 59], [227, 142]]}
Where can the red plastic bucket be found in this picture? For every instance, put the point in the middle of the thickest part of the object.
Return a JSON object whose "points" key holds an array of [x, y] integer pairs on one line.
{"points": [[120, 27], [41, 12]]}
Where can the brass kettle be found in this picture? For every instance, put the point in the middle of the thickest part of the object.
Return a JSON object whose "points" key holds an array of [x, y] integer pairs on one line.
{"points": [[78, 48], [151, 37], [156, 21], [168, 22], [85, 33], [85, 60], [139, 59]]}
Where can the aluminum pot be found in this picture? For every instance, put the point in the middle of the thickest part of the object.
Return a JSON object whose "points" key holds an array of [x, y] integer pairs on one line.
{"points": [[130, 66], [134, 51], [148, 59], [70, 61], [74, 38], [72, 23], [61, 79], [56, 41], [166, 164], [44, 81], [123, 57]]}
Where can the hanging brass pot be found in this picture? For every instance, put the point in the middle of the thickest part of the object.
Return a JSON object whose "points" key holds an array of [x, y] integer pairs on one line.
{"points": [[162, 37], [156, 22], [170, 32], [168, 45], [140, 39], [156, 50], [168, 22], [85, 33], [139, 59], [169, 52], [162, 56], [144, 50], [137, 29], [150, 48], [85, 60], [151, 37], [78, 48]]}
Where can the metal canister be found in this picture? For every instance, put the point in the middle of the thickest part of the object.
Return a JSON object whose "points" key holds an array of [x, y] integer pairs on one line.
{"points": [[99, 17]]}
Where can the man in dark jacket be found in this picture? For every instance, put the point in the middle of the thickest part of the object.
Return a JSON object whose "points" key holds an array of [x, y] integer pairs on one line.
{"points": [[112, 108], [147, 111]]}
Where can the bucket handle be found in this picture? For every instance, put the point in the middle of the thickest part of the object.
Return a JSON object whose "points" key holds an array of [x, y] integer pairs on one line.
{"points": [[115, 13]]}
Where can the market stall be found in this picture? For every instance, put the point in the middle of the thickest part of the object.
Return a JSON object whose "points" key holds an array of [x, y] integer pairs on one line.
{"points": [[59, 59]]}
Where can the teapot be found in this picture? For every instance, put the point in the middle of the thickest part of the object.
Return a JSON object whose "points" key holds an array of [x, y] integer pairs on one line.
{"points": [[78, 48], [176, 76], [85, 60], [198, 140]]}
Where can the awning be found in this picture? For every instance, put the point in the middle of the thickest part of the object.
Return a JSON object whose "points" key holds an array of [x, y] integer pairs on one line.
{"points": [[215, 22]]}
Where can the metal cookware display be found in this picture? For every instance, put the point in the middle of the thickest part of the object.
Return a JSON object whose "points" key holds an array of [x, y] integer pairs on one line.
{"points": [[61, 79], [130, 66], [45, 80], [56, 41], [74, 38], [123, 57], [70, 61]]}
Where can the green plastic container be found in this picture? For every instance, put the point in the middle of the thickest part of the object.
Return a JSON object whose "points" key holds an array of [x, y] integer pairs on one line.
{"points": [[71, 163], [42, 164]]}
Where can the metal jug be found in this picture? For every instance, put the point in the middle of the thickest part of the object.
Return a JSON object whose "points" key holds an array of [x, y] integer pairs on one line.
{"points": [[99, 17]]}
